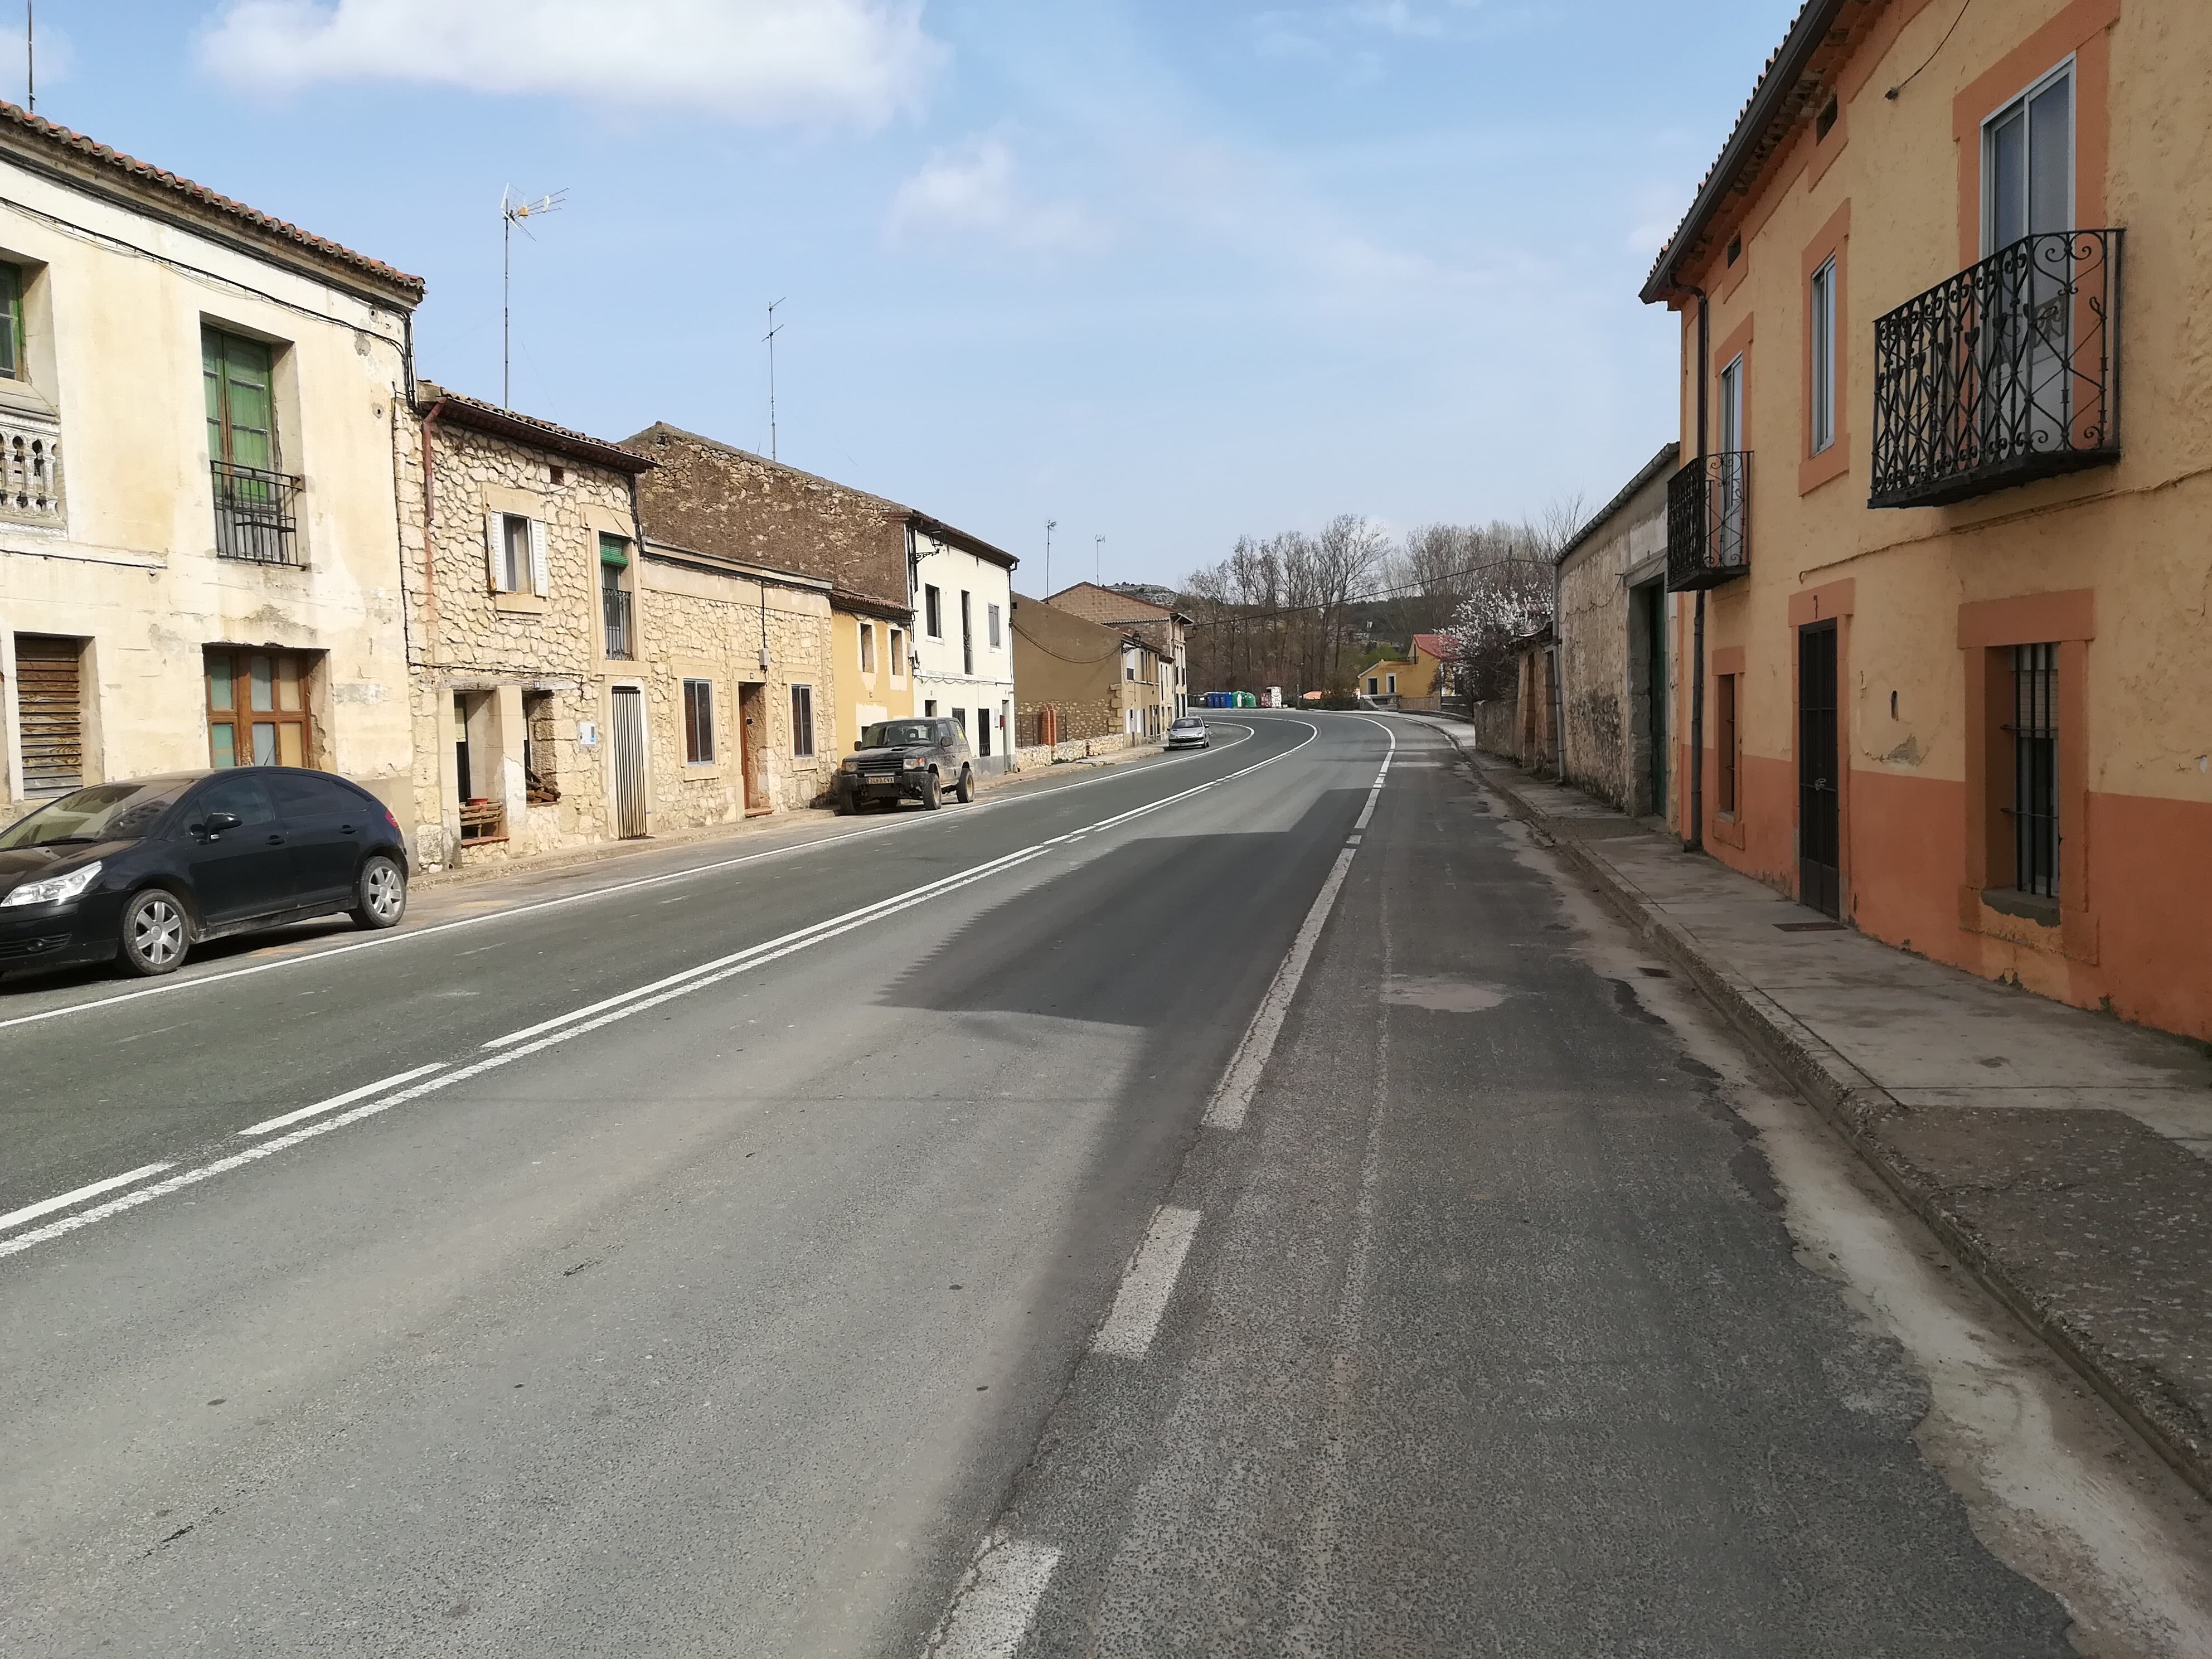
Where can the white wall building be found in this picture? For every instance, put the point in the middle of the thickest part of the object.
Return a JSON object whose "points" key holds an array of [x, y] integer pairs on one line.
{"points": [[964, 645]]}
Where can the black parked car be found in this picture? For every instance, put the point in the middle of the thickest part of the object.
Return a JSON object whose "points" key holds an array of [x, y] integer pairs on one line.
{"points": [[905, 760], [143, 871]]}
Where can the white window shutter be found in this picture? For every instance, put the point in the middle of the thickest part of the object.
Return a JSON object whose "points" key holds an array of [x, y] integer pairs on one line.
{"points": [[539, 581], [492, 550]]}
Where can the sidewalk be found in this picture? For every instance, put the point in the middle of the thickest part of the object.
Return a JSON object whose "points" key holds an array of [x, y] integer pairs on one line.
{"points": [[2064, 1157]]}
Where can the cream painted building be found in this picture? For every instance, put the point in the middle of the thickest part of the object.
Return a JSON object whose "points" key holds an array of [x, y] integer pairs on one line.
{"points": [[964, 648], [198, 541]]}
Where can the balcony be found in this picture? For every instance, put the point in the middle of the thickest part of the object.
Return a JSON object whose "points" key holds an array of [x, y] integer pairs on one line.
{"points": [[2008, 373], [1709, 521], [254, 514], [622, 644], [30, 472]]}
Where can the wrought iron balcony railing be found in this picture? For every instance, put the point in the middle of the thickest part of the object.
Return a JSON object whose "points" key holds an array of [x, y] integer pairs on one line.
{"points": [[254, 514], [1709, 521], [615, 602], [2007, 373]]}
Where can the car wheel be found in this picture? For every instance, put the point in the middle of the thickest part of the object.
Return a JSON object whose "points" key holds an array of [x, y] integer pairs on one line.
{"points": [[381, 890], [156, 934], [964, 791], [929, 798], [842, 804]]}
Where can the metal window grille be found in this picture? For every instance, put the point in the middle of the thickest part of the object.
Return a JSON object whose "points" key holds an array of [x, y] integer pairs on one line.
{"points": [[2034, 730], [615, 602], [254, 516]]}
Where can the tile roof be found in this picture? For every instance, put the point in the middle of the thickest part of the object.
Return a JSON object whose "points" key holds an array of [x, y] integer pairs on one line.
{"points": [[528, 429], [1442, 647], [22, 124]]}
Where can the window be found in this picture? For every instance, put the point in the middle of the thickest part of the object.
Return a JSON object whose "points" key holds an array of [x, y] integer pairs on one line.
{"points": [[1724, 740], [992, 612], [257, 709], [929, 707], [11, 328], [1373, 687], [1735, 247], [2027, 164], [802, 722], [867, 647], [898, 653], [932, 612], [1824, 123], [241, 412], [616, 617], [967, 635], [540, 783], [2034, 729], [510, 572], [699, 722], [1393, 686], [1823, 324]]}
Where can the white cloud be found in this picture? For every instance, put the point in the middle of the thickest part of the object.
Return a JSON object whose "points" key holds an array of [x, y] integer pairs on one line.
{"points": [[853, 62], [972, 190]]}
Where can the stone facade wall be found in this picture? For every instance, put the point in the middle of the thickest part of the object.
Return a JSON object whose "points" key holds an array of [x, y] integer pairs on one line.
{"points": [[702, 623], [1096, 717], [1604, 662], [737, 505], [537, 660], [1034, 755]]}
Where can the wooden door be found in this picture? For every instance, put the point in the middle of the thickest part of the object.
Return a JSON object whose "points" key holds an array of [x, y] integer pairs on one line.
{"points": [[50, 697], [753, 704], [627, 739], [1820, 778]]}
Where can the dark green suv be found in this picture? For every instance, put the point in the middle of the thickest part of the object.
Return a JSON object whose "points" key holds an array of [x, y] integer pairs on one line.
{"points": [[921, 760]]}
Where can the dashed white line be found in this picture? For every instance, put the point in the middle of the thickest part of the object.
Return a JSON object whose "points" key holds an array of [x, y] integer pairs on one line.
{"points": [[345, 1099], [1146, 1287], [48, 1205], [992, 1610]]}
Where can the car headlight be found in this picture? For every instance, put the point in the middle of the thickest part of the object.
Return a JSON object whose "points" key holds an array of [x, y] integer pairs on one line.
{"points": [[850, 766], [55, 890], [915, 763]]}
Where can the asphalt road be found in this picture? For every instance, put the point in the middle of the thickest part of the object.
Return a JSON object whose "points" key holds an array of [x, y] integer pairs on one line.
{"points": [[766, 1238]]}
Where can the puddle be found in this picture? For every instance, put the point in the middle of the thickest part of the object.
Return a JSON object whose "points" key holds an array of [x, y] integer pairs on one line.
{"points": [[1445, 996]]}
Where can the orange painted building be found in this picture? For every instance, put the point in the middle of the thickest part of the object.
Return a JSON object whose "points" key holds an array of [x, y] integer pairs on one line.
{"points": [[1951, 607]]}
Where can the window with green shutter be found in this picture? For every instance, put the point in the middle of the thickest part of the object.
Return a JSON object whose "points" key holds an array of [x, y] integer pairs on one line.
{"points": [[241, 410], [11, 335]]}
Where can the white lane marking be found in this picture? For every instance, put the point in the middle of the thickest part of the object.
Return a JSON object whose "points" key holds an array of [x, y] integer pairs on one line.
{"points": [[1232, 1096], [307, 1132], [835, 924], [914, 821], [345, 1099], [48, 1205], [991, 1612], [1146, 1287]]}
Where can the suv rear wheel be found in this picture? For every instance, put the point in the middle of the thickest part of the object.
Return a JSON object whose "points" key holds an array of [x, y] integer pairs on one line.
{"points": [[155, 934], [964, 791]]}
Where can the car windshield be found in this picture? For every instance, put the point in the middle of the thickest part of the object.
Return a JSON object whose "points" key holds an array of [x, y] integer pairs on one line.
{"points": [[107, 812], [1188, 725], [887, 734]]}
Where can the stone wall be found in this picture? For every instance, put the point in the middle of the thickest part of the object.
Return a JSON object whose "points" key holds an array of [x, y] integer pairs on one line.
{"points": [[1035, 755], [706, 623], [1605, 659], [535, 658]]}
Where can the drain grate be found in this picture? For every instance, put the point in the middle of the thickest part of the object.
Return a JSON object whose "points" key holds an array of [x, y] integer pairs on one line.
{"points": [[1809, 926]]}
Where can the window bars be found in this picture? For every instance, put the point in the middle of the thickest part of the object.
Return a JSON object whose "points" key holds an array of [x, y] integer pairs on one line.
{"points": [[2007, 373], [2034, 730], [1709, 521], [255, 513]]}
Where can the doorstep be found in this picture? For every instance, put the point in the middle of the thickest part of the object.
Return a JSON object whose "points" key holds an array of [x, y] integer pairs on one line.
{"points": [[2064, 1157]]}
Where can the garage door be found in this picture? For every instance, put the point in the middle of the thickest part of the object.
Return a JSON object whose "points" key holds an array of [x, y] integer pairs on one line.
{"points": [[50, 694]]}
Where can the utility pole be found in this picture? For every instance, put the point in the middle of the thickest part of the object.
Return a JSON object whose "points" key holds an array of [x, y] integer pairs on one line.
{"points": [[775, 328], [513, 210], [31, 55], [1050, 524]]}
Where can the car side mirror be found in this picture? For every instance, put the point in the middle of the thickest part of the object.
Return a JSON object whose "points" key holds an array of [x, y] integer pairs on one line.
{"points": [[215, 823]]}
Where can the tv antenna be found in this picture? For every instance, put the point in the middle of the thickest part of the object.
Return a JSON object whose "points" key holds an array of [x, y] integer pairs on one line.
{"points": [[515, 210], [1098, 550], [31, 55], [775, 328], [1050, 524]]}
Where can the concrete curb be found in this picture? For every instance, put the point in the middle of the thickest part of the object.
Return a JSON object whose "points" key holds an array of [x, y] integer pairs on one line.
{"points": [[1857, 1106]]}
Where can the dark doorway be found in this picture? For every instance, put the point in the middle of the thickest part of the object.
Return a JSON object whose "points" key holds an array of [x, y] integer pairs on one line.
{"points": [[1819, 777]]}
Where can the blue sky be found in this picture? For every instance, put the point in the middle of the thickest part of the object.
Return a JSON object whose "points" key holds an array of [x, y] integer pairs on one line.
{"points": [[1165, 273]]}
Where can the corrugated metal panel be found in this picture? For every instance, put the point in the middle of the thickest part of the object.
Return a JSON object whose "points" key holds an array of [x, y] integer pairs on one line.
{"points": [[628, 760], [49, 691]]}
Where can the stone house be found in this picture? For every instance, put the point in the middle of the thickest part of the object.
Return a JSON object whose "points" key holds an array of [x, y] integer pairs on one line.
{"points": [[740, 659], [1137, 606], [520, 544], [1080, 681], [1614, 659], [199, 560]]}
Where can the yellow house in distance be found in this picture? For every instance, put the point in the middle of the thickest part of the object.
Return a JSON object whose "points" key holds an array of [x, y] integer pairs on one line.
{"points": [[874, 665], [1414, 682]]}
